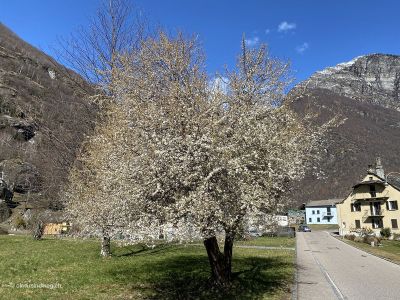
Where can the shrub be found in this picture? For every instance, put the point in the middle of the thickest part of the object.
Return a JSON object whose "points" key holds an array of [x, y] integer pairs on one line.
{"points": [[359, 239], [386, 232], [396, 236], [3, 231], [366, 231], [350, 237], [19, 222], [368, 239]]}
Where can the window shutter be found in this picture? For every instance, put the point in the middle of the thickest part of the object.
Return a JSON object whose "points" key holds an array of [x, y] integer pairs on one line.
{"points": [[387, 205], [395, 205]]}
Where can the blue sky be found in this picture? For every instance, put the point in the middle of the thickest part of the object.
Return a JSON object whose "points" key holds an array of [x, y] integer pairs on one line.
{"points": [[311, 34]]}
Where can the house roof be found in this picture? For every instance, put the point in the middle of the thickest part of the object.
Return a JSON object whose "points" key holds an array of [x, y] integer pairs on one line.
{"points": [[368, 182], [326, 202], [381, 180]]}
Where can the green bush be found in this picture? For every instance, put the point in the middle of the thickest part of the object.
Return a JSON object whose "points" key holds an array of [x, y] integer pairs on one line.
{"points": [[386, 232]]}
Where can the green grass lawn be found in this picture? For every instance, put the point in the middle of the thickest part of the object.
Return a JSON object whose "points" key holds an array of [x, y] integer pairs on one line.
{"points": [[136, 272], [388, 249]]}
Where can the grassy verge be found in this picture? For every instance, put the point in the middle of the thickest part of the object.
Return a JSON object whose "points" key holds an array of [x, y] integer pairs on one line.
{"points": [[286, 242], [388, 249], [76, 271]]}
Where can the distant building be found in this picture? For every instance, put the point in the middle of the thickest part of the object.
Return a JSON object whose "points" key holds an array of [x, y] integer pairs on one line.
{"points": [[56, 228], [260, 223], [322, 211], [296, 216], [281, 220], [371, 205]]}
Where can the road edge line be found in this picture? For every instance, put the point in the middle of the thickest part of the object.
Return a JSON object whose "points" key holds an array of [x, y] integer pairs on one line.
{"points": [[335, 288]]}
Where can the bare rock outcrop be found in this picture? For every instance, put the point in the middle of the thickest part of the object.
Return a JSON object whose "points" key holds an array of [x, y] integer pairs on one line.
{"points": [[44, 116]]}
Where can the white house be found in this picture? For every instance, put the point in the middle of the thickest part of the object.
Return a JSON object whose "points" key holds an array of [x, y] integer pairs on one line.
{"points": [[281, 220], [322, 211]]}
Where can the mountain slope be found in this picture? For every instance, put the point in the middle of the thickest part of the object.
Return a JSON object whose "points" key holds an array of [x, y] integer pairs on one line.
{"points": [[373, 78], [43, 119], [364, 93]]}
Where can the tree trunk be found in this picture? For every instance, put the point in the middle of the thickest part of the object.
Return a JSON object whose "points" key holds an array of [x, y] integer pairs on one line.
{"points": [[38, 230], [228, 251], [220, 263], [105, 245]]}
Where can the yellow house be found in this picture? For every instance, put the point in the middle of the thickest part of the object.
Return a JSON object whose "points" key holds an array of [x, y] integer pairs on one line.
{"points": [[56, 228], [372, 204]]}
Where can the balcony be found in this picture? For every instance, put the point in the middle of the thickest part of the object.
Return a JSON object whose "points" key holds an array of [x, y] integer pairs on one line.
{"points": [[376, 212], [373, 213], [371, 196], [327, 215]]}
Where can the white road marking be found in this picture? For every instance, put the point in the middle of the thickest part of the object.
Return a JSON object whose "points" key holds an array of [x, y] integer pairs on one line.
{"points": [[329, 279]]}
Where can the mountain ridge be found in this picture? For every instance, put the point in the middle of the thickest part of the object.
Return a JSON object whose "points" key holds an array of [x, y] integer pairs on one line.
{"points": [[373, 78], [370, 128]]}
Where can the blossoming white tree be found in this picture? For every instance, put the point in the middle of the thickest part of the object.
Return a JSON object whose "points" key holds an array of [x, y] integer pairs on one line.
{"points": [[172, 148], [207, 156]]}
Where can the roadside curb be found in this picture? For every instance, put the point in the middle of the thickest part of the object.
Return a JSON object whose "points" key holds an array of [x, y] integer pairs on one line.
{"points": [[366, 251]]}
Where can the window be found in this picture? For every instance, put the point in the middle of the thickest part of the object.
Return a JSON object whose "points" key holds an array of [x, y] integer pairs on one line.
{"points": [[355, 206], [375, 208], [317, 212], [391, 205], [358, 224], [376, 223], [318, 220], [370, 178], [313, 212], [328, 211], [372, 190], [309, 220], [394, 224]]}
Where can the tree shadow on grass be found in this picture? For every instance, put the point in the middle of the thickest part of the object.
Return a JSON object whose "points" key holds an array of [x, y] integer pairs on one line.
{"points": [[136, 250], [187, 277]]}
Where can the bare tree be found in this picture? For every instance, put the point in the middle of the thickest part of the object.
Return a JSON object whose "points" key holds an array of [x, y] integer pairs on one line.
{"points": [[94, 51]]}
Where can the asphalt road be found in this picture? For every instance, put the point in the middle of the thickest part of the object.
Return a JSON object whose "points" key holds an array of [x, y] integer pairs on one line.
{"points": [[330, 269]]}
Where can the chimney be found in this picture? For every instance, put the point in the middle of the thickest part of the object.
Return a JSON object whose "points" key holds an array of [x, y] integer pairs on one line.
{"points": [[371, 169], [379, 169]]}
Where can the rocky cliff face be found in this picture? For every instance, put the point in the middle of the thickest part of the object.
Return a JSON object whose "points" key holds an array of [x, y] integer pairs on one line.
{"points": [[365, 94], [43, 118], [372, 78]]}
